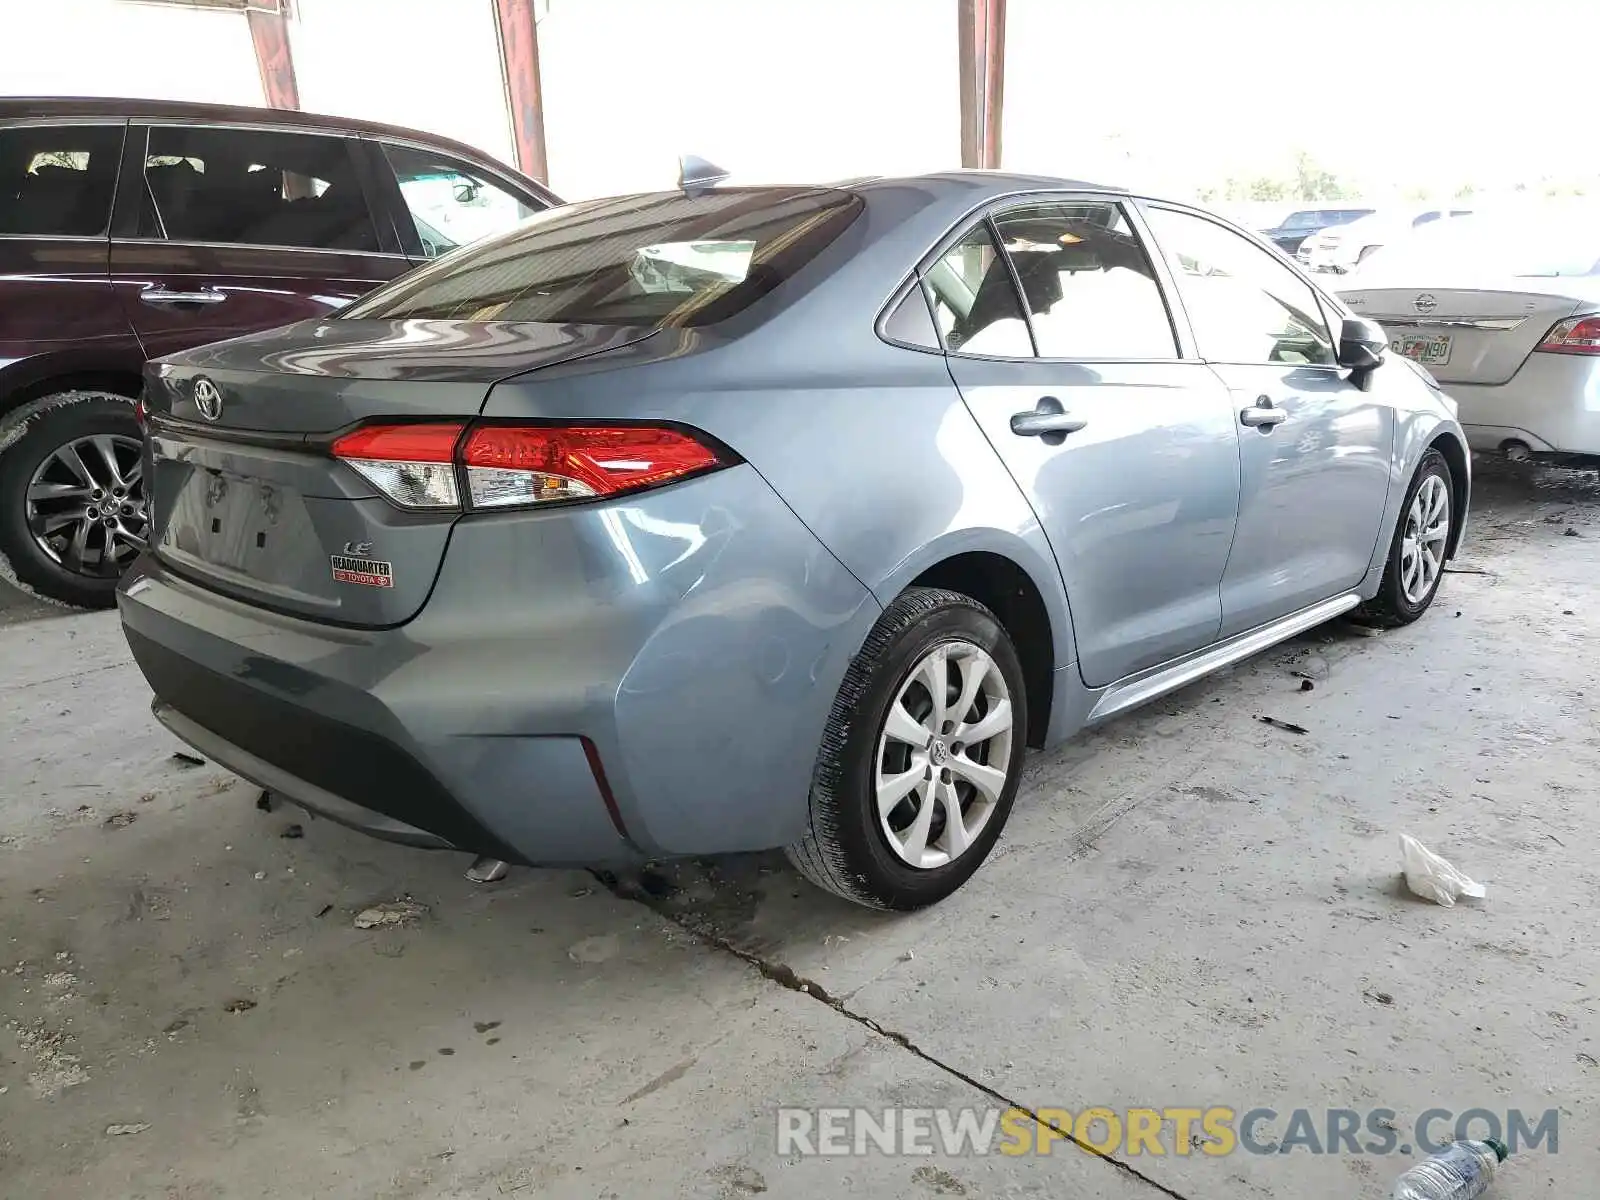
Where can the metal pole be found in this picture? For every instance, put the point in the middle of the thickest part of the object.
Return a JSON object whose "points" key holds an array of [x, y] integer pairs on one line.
{"points": [[519, 65], [982, 51], [269, 33]]}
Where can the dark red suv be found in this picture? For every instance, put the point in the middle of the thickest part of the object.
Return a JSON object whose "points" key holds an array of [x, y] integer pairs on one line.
{"points": [[130, 229]]}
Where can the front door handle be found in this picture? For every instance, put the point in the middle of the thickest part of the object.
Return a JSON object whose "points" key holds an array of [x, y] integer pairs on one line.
{"points": [[1263, 415], [1048, 420], [156, 294]]}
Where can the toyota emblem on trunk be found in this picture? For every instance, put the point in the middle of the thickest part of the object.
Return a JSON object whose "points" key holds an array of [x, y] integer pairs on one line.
{"points": [[1425, 303], [207, 399]]}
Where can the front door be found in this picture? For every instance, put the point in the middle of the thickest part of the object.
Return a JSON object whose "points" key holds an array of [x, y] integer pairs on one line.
{"points": [[1126, 451], [1314, 447], [238, 230]]}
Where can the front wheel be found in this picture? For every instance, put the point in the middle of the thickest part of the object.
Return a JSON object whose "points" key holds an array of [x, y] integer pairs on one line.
{"points": [[72, 500], [1417, 556], [920, 760]]}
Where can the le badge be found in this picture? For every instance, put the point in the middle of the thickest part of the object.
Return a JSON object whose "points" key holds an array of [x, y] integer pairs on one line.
{"points": [[357, 566]]}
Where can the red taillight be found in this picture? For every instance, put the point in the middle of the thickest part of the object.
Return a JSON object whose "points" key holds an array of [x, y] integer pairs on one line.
{"points": [[140, 413], [525, 464], [412, 465], [509, 466], [1578, 335]]}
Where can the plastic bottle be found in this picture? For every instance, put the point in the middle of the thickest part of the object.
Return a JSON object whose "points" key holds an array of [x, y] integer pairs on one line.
{"points": [[1460, 1171]]}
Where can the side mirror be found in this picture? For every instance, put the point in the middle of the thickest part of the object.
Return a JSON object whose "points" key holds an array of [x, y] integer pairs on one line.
{"points": [[1362, 344]]}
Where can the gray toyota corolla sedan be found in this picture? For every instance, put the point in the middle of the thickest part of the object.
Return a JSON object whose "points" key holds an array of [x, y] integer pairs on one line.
{"points": [[733, 518]]}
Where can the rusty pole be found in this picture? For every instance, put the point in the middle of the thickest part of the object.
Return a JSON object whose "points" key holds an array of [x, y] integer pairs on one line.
{"points": [[269, 33], [519, 65], [982, 49]]}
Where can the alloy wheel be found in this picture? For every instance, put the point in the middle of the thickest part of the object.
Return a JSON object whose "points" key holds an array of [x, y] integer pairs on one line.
{"points": [[943, 754], [86, 505], [1422, 546]]}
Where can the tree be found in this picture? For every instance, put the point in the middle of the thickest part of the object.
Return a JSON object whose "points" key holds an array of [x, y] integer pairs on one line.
{"points": [[1316, 183]]}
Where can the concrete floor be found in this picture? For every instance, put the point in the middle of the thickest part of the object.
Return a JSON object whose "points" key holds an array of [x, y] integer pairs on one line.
{"points": [[1189, 908]]}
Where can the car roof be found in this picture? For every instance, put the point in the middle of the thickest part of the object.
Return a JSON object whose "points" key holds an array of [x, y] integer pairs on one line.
{"points": [[35, 108], [997, 183]]}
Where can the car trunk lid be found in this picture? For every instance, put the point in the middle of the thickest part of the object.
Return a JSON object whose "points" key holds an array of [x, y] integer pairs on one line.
{"points": [[1478, 334], [248, 499]]}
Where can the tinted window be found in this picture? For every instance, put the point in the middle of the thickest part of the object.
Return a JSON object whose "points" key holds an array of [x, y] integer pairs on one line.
{"points": [[1088, 284], [257, 188], [654, 260], [57, 180], [1246, 304], [451, 204], [974, 299], [911, 323]]}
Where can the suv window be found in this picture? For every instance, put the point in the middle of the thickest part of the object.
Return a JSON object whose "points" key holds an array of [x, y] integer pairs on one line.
{"points": [[254, 187], [1089, 288], [1246, 304], [57, 180], [658, 260], [450, 204]]}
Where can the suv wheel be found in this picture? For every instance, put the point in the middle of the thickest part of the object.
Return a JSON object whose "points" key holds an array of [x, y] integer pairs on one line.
{"points": [[72, 499], [920, 760]]}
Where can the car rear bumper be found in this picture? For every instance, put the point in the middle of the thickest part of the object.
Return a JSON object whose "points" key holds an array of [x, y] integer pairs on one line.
{"points": [[1552, 405], [590, 685]]}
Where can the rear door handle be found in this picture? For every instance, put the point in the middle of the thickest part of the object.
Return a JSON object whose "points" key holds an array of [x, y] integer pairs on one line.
{"points": [[1048, 420], [1263, 415], [155, 294]]}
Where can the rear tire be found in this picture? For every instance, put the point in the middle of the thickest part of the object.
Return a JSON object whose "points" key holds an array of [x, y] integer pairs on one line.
{"points": [[40, 552], [898, 821], [1412, 576]]}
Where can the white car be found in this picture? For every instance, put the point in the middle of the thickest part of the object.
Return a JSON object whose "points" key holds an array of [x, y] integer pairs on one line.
{"points": [[1504, 312], [1339, 249]]}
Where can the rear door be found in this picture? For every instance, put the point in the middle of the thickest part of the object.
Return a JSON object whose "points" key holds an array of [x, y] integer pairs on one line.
{"points": [[1125, 448], [230, 230], [1314, 447], [57, 311]]}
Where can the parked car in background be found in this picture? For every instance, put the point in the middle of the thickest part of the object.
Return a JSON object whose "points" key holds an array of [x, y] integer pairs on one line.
{"points": [[133, 228], [1504, 311], [726, 519], [1339, 249], [1303, 222]]}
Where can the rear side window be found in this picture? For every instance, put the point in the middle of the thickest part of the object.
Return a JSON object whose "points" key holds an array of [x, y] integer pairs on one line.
{"points": [[57, 180], [663, 259], [1090, 290], [254, 187]]}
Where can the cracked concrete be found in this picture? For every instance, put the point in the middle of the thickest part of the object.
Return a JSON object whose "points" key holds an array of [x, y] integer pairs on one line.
{"points": [[1190, 907]]}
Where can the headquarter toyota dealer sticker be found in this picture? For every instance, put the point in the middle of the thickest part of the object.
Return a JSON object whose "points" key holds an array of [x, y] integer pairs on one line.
{"points": [[368, 572]]}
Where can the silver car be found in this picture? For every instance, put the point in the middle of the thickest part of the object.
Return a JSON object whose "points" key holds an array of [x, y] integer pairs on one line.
{"points": [[1504, 311], [729, 519]]}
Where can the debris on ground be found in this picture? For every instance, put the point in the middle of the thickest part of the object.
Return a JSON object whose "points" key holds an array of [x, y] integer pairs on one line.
{"points": [[293, 831], [126, 1130], [1569, 531], [324, 910], [592, 950], [1288, 726], [264, 802], [1434, 878], [1306, 685], [1383, 998], [260, 875], [184, 758], [239, 1005], [120, 820], [395, 912], [1555, 519]]}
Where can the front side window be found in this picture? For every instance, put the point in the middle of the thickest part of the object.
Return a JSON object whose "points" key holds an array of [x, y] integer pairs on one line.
{"points": [[664, 259], [57, 180], [1090, 290], [254, 187], [974, 299], [452, 205], [1245, 304]]}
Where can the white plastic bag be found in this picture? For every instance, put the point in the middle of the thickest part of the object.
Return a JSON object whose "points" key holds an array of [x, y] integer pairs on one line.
{"points": [[1431, 877]]}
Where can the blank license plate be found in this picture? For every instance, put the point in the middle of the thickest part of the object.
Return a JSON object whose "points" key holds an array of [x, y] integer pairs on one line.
{"points": [[1431, 350]]}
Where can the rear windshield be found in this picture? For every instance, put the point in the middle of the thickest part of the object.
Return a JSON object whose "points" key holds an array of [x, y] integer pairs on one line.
{"points": [[664, 259]]}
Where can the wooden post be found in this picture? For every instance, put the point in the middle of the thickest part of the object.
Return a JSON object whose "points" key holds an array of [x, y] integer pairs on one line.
{"points": [[519, 65], [982, 48], [269, 32]]}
